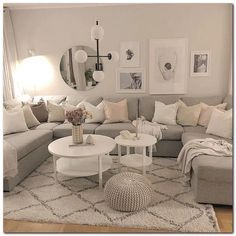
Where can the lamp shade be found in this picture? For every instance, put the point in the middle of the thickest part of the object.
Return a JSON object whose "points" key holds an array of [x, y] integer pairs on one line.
{"points": [[114, 56], [98, 75], [81, 56], [97, 32]]}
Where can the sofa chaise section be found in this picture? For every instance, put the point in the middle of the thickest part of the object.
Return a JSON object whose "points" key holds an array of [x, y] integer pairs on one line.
{"points": [[32, 149]]}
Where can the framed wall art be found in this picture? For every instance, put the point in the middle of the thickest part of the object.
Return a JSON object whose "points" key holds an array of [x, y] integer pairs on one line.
{"points": [[167, 66], [130, 80], [200, 63], [130, 54]]}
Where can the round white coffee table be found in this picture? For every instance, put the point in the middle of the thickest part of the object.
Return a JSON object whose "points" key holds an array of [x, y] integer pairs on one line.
{"points": [[136, 160], [82, 160]]}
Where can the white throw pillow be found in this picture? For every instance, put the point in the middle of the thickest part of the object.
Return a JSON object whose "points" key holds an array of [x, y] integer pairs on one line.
{"points": [[206, 112], [14, 122], [55, 112], [98, 115], [220, 123], [165, 114]]}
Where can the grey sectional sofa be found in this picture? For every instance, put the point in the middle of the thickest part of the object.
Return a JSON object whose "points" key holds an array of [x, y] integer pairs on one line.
{"points": [[211, 177]]}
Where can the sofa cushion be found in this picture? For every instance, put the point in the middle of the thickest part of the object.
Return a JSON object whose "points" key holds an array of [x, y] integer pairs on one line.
{"points": [[113, 130], [174, 132], [132, 103], [147, 104], [46, 125], [190, 136], [28, 141], [195, 129], [211, 100], [213, 168], [64, 130]]}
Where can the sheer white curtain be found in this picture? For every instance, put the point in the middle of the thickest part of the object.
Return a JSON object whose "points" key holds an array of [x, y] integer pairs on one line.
{"points": [[11, 87]]}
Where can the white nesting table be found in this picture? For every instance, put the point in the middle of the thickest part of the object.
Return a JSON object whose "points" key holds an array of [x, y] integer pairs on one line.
{"points": [[136, 160], [82, 160]]}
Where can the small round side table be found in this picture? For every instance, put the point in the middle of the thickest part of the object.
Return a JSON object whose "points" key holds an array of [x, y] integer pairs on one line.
{"points": [[136, 160]]}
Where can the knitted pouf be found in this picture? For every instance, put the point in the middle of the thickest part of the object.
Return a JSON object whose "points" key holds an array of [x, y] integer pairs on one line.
{"points": [[128, 191]]}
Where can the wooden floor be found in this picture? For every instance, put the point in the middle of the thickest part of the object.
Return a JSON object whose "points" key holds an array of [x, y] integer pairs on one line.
{"points": [[224, 215]]}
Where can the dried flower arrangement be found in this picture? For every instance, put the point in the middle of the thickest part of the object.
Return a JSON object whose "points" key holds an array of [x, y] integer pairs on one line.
{"points": [[78, 116]]}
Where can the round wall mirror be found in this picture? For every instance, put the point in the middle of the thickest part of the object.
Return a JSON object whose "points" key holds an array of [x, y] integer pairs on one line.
{"points": [[78, 76]]}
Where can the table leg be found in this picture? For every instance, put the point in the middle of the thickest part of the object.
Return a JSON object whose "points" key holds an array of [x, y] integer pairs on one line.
{"points": [[55, 168], [144, 154], [127, 150], [100, 170], [119, 156], [150, 155]]}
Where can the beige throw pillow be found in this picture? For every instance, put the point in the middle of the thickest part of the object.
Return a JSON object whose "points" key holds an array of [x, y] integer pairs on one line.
{"points": [[206, 112], [221, 123], [116, 111], [55, 112], [188, 115], [30, 118]]}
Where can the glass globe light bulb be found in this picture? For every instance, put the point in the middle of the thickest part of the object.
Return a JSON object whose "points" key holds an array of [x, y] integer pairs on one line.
{"points": [[98, 75], [81, 56], [97, 32]]}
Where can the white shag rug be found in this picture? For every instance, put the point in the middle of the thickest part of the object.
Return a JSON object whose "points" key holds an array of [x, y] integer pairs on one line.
{"points": [[79, 201]]}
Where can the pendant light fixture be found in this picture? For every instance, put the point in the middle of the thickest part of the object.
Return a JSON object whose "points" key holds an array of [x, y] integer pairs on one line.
{"points": [[97, 33]]}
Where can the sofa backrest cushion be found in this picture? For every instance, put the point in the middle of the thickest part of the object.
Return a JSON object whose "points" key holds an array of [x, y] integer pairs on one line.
{"points": [[53, 98], [211, 100], [75, 100], [147, 104], [132, 103], [229, 100]]}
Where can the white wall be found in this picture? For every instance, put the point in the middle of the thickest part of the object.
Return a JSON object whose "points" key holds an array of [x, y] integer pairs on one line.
{"points": [[51, 32]]}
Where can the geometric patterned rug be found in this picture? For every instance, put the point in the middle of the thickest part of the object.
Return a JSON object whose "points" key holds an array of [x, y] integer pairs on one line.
{"points": [[79, 201]]}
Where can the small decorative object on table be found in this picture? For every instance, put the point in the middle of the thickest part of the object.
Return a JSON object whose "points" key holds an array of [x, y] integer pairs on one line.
{"points": [[77, 118]]}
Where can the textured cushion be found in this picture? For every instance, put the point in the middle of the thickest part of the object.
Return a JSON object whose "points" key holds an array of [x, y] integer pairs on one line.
{"points": [[40, 111], [64, 130], [165, 114], [190, 136], [132, 103], [213, 168], [75, 100], [13, 122], [174, 132], [28, 141], [147, 104], [30, 118], [116, 111], [48, 126], [211, 100], [113, 130], [188, 115], [195, 129], [55, 112], [221, 123], [206, 112]]}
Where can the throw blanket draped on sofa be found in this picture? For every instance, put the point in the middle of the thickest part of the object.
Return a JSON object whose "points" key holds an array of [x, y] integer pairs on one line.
{"points": [[9, 160], [198, 147], [151, 128]]}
